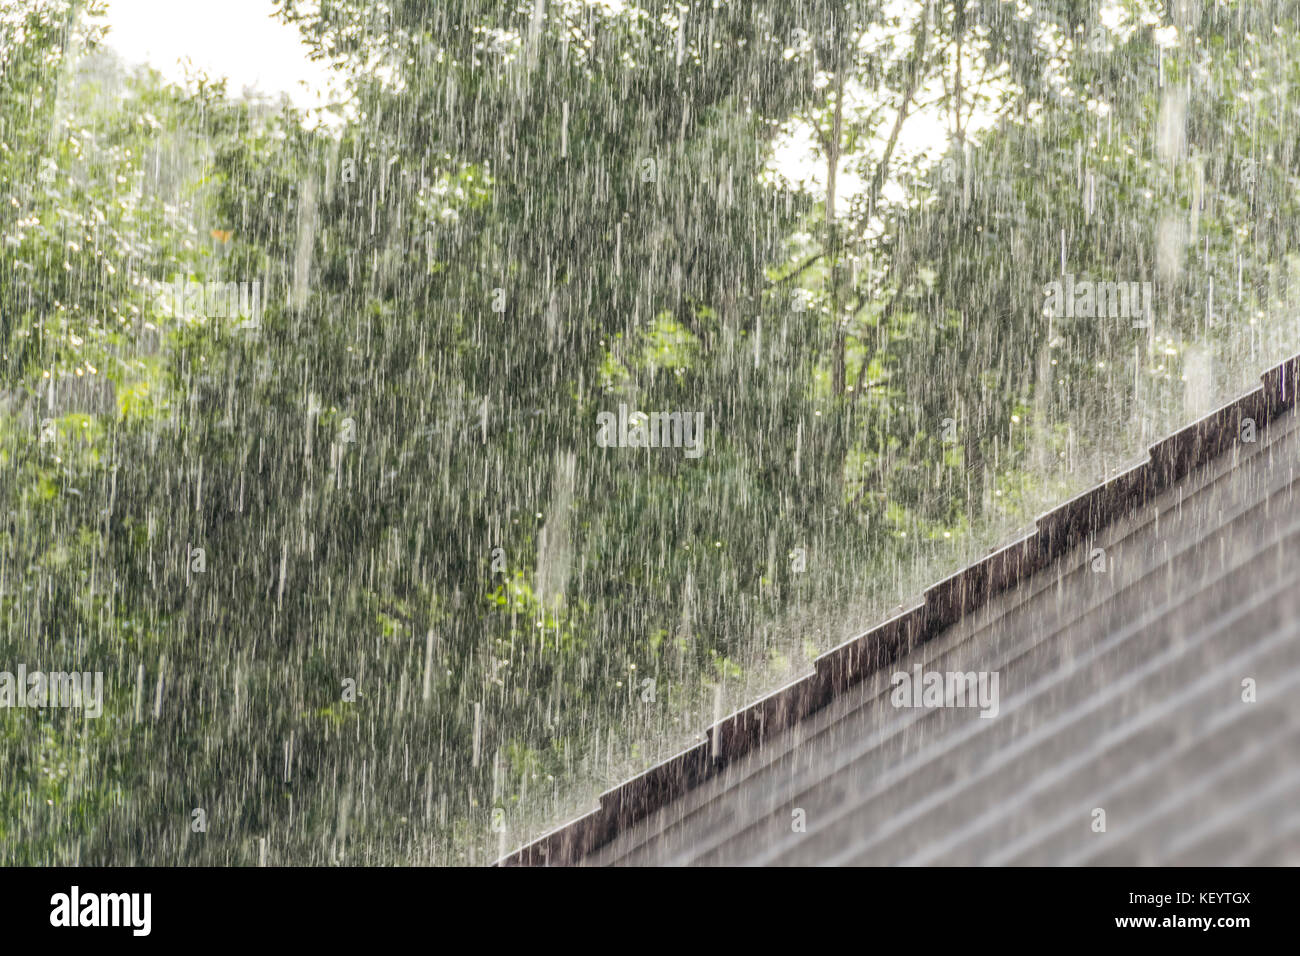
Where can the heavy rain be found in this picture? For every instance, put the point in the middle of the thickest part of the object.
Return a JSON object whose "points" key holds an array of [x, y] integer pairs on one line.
{"points": [[392, 463]]}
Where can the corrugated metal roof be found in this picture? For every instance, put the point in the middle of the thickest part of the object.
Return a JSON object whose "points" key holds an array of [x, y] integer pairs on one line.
{"points": [[1120, 632]]}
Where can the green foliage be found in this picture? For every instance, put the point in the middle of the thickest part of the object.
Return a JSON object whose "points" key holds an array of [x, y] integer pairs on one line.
{"points": [[440, 328]]}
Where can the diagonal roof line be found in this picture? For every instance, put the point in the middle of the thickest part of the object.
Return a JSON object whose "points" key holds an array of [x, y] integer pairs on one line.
{"points": [[942, 605]]}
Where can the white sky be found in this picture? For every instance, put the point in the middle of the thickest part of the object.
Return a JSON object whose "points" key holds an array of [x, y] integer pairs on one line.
{"points": [[237, 39]]}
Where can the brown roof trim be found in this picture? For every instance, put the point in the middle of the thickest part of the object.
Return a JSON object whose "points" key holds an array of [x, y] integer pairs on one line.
{"points": [[943, 604]]}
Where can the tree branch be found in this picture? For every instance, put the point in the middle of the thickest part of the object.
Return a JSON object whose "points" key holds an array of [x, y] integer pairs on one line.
{"points": [[797, 271], [913, 82]]}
